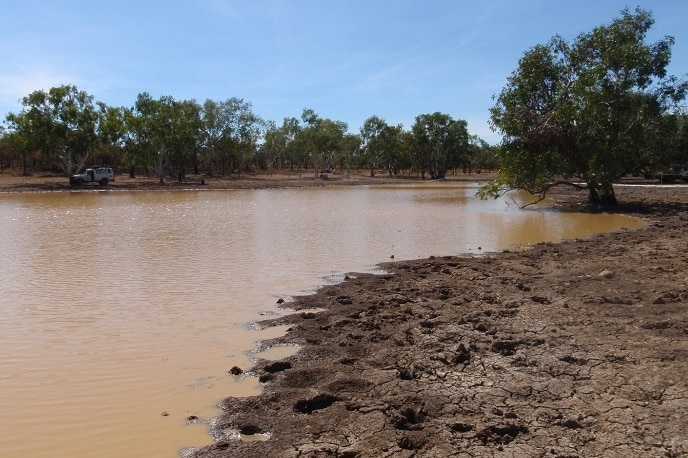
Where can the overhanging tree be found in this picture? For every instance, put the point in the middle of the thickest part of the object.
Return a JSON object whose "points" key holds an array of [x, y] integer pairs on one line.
{"points": [[585, 113]]}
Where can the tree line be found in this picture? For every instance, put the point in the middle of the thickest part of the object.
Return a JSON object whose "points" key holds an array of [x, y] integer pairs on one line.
{"points": [[582, 113], [63, 130]]}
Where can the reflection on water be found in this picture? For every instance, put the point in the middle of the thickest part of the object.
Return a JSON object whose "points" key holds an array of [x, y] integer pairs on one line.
{"points": [[123, 311]]}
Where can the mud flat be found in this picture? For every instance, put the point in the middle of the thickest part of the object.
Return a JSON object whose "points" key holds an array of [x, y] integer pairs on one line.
{"points": [[574, 349]]}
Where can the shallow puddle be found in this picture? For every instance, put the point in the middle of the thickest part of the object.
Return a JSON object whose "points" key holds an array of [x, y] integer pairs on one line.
{"points": [[277, 353]]}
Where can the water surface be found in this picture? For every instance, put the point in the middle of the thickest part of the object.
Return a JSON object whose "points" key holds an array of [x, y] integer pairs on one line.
{"points": [[123, 311]]}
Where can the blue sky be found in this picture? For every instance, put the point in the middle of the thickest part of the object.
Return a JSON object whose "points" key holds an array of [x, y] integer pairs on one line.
{"points": [[345, 59]]}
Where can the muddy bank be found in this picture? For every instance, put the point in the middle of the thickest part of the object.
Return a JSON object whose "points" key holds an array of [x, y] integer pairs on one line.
{"points": [[56, 183], [567, 350]]}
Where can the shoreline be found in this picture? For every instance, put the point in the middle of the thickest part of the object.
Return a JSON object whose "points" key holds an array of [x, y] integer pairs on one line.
{"points": [[578, 348], [56, 183]]}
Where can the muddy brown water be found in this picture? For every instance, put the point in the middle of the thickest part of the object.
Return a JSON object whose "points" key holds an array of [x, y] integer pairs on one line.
{"points": [[123, 311]]}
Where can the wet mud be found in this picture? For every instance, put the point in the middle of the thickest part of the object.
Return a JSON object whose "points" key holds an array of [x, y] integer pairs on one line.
{"points": [[573, 349]]}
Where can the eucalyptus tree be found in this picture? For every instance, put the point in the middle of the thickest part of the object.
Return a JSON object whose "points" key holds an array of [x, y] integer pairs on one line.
{"points": [[230, 133], [671, 149], [350, 147], [457, 144], [149, 124], [481, 156], [215, 131], [13, 150], [380, 144], [163, 133], [681, 139], [302, 151], [273, 148], [60, 123], [186, 134], [438, 143], [289, 132], [318, 141], [137, 139], [111, 133], [8, 151], [585, 113], [251, 131], [277, 145], [330, 142]]}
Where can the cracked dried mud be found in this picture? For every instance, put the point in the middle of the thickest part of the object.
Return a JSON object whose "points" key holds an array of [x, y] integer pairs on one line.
{"points": [[573, 349]]}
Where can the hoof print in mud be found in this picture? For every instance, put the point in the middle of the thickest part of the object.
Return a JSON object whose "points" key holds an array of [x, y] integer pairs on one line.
{"points": [[501, 434], [463, 355], [571, 424], [221, 445], [278, 366], [505, 347], [407, 418], [462, 427], [319, 402], [250, 430], [410, 443]]}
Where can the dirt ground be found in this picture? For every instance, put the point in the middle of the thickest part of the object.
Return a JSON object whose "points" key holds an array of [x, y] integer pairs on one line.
{"points": [[13, 182], [575, 349]]}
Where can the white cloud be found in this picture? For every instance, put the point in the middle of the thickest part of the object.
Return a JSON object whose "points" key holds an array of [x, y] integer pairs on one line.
{"points": [[24, 80]]}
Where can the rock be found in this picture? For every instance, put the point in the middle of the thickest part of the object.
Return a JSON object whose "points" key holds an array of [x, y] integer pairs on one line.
{"points": [[606, 273]]}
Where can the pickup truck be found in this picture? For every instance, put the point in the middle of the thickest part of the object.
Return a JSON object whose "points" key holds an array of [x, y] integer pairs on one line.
{"points": [[684, 173], [669, 176], [100, 175]]}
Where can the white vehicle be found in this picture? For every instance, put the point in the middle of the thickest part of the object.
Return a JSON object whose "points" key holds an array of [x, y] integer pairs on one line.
{"points": [[684, 173], [100, 175]]}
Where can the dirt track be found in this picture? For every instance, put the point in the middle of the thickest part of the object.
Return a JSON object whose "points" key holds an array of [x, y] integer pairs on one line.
{"points": [[576, 349]]}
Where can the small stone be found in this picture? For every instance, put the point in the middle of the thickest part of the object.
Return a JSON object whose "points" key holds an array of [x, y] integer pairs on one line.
{"points": [[236, 371], [165, 413], [606, 273]]}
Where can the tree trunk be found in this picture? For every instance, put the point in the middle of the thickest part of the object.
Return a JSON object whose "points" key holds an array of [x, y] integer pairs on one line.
{"points": [[602, 194]]}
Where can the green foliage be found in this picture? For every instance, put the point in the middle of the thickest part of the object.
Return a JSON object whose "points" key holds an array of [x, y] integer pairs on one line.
{"points": [[169, 136], [318, 141], [588, 112], [381, 145], [439, 143], [60, 124], [229, 133]]}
